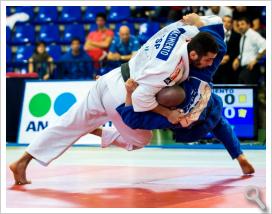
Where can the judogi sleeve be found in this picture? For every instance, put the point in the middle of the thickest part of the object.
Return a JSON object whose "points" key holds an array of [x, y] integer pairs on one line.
{"points": [[142, 120], [143, 98], [211, 20]]}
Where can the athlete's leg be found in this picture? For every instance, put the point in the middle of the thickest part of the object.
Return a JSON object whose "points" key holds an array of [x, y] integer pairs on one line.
{"points": [[226, 135], [111, 136], [56, 139]]}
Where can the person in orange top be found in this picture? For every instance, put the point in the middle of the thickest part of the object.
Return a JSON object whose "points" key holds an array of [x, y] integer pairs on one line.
{"points": [[98, 42]]}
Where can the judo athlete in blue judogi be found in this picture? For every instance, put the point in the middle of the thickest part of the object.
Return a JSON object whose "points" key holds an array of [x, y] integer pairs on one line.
{"points": [[202, 109]]}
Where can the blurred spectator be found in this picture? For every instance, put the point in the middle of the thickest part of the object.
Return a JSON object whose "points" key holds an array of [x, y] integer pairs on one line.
{"points": [[98, 42], [143, 12], [220, 11], [252, 49], [122, 48], [194, 9], [225, 74], [41, 62], [167, 14], [174, 14], [252, 13], [75, 64]]}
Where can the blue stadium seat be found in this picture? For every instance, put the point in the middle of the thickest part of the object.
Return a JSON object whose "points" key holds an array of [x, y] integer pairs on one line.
{"points": [[49, 33], [147, 30], [262, 61], [9, 67], [8, 11], [26, 9], [24, 34], [47, 14], [8, 35], [263, 15], [23, 53], [130, 26], [8, 54], [140, 9], [73, 31], [119, 13], [22, 56], [54, 51], [91, 12], [70, 14]]}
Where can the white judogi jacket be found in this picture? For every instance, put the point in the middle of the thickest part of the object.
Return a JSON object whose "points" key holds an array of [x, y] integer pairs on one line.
{"points": [[162, 61]]}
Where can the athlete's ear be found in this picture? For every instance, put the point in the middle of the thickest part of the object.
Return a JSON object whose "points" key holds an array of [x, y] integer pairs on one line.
{"points": [[193, 55]]}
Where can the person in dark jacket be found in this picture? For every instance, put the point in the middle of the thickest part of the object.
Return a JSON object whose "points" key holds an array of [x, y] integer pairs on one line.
{"points": [[76, 64], [225, 74]]}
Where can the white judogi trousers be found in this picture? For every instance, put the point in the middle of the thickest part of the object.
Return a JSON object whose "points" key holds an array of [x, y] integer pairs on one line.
{"points": [[84, 117]]}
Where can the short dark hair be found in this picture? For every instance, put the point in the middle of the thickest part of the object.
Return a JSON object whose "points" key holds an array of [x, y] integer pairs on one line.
{"points": [[75, 39], [243, 18], [101, 15], [228, 16], [38, 44], [203, 43]]}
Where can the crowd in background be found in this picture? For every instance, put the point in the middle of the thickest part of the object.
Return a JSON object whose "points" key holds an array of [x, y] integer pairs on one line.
{"points": [[107, 46]]}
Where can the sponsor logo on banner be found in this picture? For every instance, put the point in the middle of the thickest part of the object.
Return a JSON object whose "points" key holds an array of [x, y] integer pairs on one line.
{"points": [[41, 103], [45, 102]]}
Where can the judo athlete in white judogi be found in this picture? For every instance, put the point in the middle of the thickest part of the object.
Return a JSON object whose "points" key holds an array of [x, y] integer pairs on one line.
{"points": [[162, 61]]}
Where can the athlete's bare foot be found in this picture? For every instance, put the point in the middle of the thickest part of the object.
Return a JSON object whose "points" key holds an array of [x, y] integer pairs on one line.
{"points": [[18, 169], [246, 167]]}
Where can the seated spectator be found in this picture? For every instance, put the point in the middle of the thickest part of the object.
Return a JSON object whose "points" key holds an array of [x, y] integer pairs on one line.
{"points": [[122, 48], [75, 64], [98, 42], [225, 74], [41, 62], [220, 11], [167, 14]]}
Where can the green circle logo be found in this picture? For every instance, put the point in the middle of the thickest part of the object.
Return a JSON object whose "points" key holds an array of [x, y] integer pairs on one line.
{"points": [[40, 105]]}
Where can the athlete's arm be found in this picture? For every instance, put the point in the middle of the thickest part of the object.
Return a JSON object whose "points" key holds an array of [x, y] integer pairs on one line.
{"points": [[142, 120], [200, 21], [173, 116], [130, 85], [193, 19], [143, 99]]}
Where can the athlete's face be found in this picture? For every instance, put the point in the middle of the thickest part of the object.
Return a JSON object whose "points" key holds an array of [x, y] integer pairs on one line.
{"points": [[202, 62]]}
